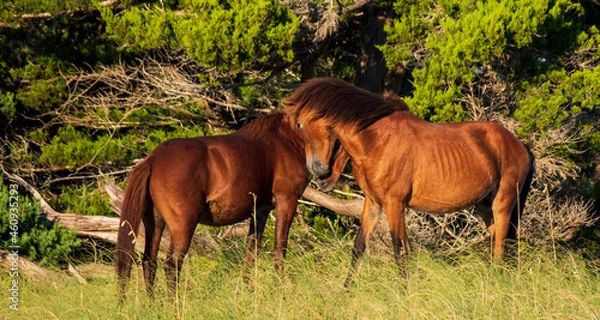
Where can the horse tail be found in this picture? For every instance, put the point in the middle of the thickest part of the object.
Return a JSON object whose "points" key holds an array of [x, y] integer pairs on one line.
{"points": [[522, 198], [136, 203]]}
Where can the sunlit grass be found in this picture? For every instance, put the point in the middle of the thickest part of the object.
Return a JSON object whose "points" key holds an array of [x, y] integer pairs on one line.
{"points": [[463, 285]]}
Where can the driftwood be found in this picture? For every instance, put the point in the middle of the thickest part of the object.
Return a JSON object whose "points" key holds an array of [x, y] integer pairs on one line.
{"points": [[20, 265], [84, 224], [350, 208]]}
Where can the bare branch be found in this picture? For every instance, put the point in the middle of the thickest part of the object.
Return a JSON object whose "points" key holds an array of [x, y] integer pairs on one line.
{"points": [[351, 208], [28, 268], [173, 86]]}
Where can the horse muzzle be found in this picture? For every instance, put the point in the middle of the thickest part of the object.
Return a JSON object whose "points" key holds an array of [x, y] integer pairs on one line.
{"points": [[319, 169], [325, 185]]}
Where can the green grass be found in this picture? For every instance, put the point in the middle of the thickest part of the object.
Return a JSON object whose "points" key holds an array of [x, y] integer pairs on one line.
{"points": [[464, 285]]}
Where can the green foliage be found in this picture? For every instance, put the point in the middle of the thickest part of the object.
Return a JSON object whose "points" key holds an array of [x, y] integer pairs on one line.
{"points": [[46, 244], [477, 36], [407, 33], [85, 200], [230, 37], [463, 37], [555, 97], [43, 95], [7, 105], [11, 11], [139, 29], [589, 41], [237, 36], [75, 148], [563, 25], [48, 6]]}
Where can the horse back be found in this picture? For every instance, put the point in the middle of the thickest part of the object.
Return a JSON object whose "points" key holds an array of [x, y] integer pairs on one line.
{"points": [[446, 167]]}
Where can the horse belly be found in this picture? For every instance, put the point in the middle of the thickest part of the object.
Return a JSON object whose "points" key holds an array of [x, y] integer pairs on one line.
{"points": [[236, 203], [222, 212], [448, 196]]}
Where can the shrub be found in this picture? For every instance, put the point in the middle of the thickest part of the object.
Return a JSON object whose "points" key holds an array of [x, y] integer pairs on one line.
{"points": [[39, 240]]}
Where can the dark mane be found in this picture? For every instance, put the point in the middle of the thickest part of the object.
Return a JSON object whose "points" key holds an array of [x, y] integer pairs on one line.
{"points": [[338, 100], [259, 127], [276, 126]]}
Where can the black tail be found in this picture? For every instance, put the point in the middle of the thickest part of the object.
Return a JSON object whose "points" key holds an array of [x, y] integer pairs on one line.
{"points": [[136, 204], [515, 217]]}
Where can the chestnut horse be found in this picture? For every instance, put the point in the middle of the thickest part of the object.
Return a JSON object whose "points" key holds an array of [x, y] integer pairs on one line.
{"points": [[402, 161], [216, 181]]}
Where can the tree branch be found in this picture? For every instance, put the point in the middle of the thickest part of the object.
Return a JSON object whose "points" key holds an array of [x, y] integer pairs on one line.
{"points": [[350, 208], [26, 267]]}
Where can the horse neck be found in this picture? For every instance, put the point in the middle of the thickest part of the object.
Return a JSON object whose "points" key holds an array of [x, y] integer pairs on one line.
{"points": [[360, 144], [289, 136], [353, 143]]}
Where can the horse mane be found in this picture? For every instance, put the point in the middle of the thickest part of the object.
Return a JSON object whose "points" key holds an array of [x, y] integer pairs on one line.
{"points": [[339, 101], [275, 125], [261, 126]]}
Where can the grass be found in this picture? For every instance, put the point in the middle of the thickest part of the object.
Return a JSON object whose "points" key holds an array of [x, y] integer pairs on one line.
{"points": [[463, 285]]}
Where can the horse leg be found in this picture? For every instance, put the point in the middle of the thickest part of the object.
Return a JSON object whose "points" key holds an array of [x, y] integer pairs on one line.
{"points": [[368, 222], [255, 233], [484, 209], [154, 225], [502, 208], [396, 220], [285, 209], [180, 243]]}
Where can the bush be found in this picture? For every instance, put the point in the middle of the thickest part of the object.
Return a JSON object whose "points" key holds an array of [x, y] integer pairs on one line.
{"points": [[39, 240]]}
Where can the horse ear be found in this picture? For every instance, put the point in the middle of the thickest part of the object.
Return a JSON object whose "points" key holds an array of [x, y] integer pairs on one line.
{"points": [[388, 96], [291, 116]]}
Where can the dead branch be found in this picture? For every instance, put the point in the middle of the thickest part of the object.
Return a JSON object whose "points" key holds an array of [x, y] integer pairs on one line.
{"points": [[44, 206], [25, 267], [350, 208], [171, 85], [76, 274]]}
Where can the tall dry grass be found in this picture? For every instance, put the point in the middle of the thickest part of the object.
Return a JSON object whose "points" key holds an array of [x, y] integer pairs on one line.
{"points": [[460, 285]]}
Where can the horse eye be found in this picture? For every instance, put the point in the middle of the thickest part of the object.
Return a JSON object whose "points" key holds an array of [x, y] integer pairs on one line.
{"points": [[299, 125]]}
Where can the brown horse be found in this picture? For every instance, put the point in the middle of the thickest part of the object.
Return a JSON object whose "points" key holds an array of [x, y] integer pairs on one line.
{"points": [[215, 181], [402, 161]]}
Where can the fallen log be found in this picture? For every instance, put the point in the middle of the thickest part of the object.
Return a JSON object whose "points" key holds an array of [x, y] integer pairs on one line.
{"points": [[95, 226], [350, 208], [22, 266]]}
